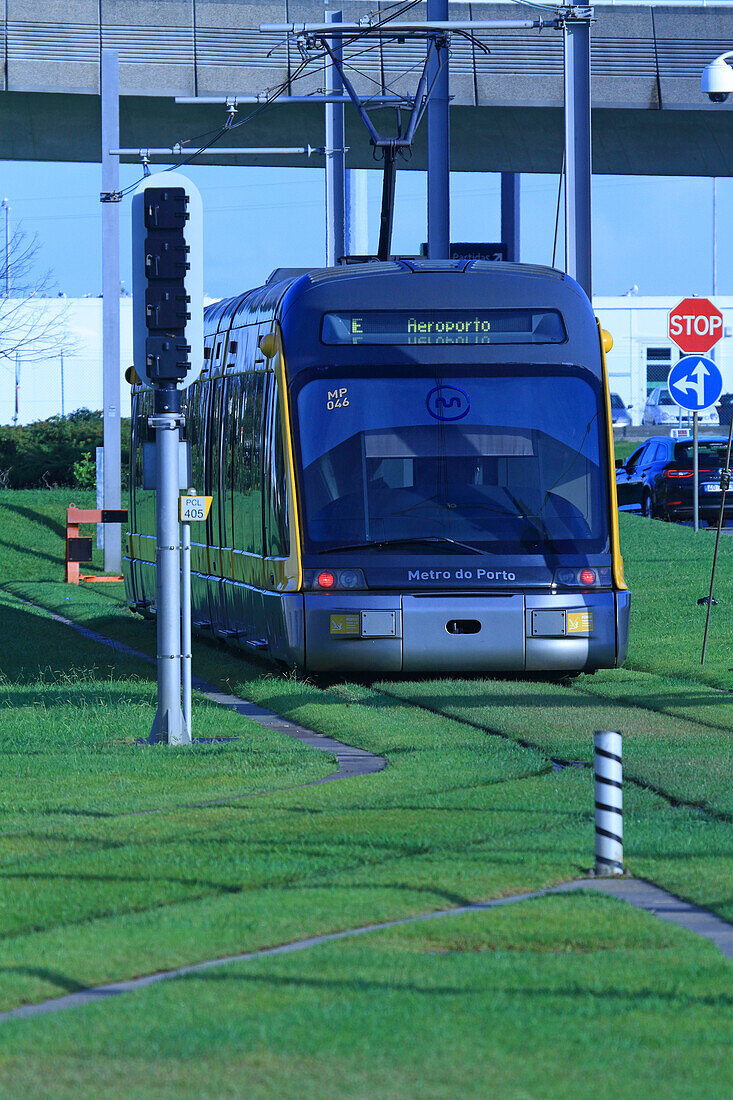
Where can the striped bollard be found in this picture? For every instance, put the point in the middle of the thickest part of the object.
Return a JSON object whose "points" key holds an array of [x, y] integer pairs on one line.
{"points": [[609, 803]]}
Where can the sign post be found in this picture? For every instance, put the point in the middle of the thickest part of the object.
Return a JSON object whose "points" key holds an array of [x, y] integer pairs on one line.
{"points": [[695, 382], [167, 271], [193, 509]]}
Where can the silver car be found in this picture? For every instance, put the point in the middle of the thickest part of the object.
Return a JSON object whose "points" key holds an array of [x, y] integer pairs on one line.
{"points": [[661, 409], [619, 412]]}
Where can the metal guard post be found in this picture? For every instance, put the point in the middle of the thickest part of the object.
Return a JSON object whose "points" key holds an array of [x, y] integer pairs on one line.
{"points": [[608, 776]]}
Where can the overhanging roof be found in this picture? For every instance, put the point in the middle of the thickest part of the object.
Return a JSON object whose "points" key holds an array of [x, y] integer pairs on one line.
{"points": [[649, 115]]}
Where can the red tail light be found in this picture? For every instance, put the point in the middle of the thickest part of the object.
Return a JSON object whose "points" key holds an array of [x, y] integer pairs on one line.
{"points": [[326, 580], [679, 473], [587, 576]]}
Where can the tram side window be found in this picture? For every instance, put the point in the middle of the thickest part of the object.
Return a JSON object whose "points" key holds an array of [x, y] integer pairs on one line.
{"points": [[217, 425], [276, 505], [142, 502], [196, 403], [135, 467], [246, 466], [228, 447]]}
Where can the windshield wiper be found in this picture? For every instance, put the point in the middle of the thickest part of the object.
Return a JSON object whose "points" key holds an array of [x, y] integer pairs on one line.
{"points": [[419, 539]]}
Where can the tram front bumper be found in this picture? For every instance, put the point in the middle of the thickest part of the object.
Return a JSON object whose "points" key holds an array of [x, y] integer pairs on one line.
{"points": [[456, 633]]}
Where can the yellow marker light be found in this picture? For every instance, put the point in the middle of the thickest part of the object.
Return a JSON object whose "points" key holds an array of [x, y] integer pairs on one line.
{"points": [[269, 345], [607, 340]]}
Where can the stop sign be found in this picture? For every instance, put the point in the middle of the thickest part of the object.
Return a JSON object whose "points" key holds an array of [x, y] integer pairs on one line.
{"points": [[695, 325]]}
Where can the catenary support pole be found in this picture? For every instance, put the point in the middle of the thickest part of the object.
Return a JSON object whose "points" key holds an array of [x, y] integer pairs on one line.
{"points": [[356, 233], [724, 487], [186, 644], [386, 218], [438, 126], [335, 182], [607, 768], [6, 208], [61, 359], [510, 187], [111, 306], [576, 43], [16, 414], [168, 725]]}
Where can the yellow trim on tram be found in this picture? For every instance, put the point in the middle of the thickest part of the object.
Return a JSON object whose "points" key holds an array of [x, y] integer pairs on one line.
{"points": [[616, 560], [293, 516]]}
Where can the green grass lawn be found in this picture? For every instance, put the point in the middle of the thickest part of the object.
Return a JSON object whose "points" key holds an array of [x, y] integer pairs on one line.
{"points": [[497, 1001], [553, 998]]}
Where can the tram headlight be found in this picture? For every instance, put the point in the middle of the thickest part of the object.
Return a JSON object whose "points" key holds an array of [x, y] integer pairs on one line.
{"points": [[334, 580], [585, 577]]}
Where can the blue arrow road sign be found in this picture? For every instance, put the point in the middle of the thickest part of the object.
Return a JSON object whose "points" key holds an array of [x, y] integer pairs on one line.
{"points": [[695, 383]]}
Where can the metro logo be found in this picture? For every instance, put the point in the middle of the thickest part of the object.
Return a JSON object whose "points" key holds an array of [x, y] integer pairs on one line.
{"points": [[695, 325]]}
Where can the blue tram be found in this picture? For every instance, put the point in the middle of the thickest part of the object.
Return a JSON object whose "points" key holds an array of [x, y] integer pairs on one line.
{"points": [[411, 465]]}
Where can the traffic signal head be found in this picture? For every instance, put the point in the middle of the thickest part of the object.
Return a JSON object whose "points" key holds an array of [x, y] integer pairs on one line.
{"points": [[167, 262]]}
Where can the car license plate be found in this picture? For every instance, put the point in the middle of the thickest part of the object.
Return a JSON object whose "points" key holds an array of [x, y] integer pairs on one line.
{"points": [[712, 487]]}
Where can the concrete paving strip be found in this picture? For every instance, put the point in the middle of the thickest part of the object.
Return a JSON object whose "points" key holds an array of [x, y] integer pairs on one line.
{"points": [[636, 892], [645, 895], [351, 760]]}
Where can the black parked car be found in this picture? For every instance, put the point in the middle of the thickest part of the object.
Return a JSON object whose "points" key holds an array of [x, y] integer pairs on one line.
{"points": [[657, 479]]}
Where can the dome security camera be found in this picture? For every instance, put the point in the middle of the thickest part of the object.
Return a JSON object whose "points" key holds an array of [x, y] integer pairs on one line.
{"points": [[717, 79]]}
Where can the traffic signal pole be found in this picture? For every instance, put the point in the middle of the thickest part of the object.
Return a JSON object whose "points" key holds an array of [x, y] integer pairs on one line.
{"points": [[168, 348], [168, 725]]}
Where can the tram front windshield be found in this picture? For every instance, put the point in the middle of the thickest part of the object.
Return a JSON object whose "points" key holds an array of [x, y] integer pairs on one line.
{"points": [[493, 464]]}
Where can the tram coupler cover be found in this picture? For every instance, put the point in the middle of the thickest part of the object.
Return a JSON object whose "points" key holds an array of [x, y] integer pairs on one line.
{"points": [[607, 768]]}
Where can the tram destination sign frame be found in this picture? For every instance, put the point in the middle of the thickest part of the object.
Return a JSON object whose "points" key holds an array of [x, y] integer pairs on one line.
{"points": [[443, 326]]}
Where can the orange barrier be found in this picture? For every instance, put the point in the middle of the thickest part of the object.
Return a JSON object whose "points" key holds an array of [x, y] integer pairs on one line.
{"points": [[79, 547]]}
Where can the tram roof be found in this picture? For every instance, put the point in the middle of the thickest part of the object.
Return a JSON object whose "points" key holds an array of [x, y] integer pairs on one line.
{"points": [[286, 286]]}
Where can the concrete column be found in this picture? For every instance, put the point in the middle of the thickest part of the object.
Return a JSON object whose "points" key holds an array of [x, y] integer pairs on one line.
{"points": [[576, 41], [438, 146], [111, 306], [357, 223], [510, 185]]}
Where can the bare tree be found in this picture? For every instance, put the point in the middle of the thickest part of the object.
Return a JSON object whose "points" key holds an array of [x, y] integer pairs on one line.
{"points": [[33, 322]]}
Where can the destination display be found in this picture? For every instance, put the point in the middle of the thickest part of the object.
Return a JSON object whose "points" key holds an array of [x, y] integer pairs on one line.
{"points": [[439, 326]]}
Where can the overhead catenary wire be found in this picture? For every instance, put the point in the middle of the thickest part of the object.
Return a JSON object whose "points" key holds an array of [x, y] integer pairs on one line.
{"points": [[358, 32]]}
